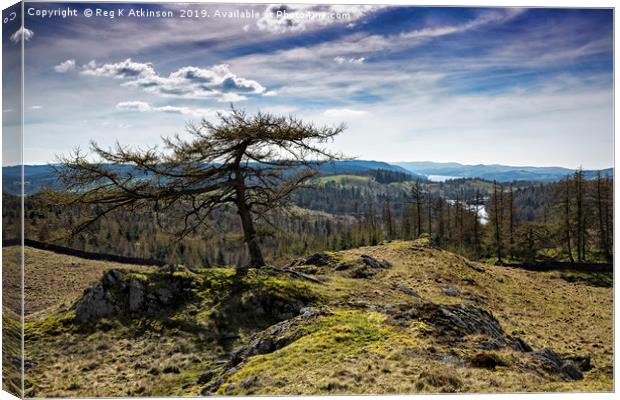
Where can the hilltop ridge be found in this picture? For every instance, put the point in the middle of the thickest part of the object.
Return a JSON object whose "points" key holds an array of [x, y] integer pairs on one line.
{"points": [[400, 317]]}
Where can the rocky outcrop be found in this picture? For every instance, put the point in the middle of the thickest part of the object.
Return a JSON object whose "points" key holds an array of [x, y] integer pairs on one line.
{"points": [[569, 368], [365, 266], [406, 290], [123, 293], [452, 323], [271, 339], [96, 303], [374, 263]]}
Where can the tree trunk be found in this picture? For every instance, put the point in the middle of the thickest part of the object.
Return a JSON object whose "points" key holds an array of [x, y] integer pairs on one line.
{"points": [[580, 217], [512, 221], [476, 226], [430, 216], [498, 236], [601, 218], [609, 216], [249, 233], [440, 234], [418, 202], [567, 222]]}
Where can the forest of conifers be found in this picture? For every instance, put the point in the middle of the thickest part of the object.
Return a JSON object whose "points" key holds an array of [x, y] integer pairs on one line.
{"points": [[519, 222]]}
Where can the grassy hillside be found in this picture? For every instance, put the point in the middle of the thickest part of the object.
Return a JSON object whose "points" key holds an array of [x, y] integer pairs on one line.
{"points": [[330, 324]]}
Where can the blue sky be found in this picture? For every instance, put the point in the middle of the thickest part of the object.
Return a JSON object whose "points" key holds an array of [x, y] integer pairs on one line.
{"points": [[471, 85]]}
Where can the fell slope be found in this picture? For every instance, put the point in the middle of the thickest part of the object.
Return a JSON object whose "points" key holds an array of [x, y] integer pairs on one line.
{"points": [[332, 324]]}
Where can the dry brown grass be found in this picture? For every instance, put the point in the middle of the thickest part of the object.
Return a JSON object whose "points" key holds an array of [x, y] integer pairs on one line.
{"points": [[52, 280], [353, 351]]}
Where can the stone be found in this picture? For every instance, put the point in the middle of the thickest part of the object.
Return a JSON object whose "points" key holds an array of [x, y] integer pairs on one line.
{"points": [[308, 312], [584, 362], [549, 361], [457, 321], [362, 273], [319, 259], [492, 344], [407, 290], [164, 294], [344, 266], [173, 369], [95, 303], [206, 377], [136, 295], [571, 371], [451, 292], [114, 294], [374, 263], [113, 278], [475, 267], [469, 281], [521, 345], [247, 382]]}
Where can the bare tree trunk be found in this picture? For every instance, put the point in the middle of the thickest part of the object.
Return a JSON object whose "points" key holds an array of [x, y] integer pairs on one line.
{"points": [[250, 237], [498, 236], [448, 222], [512, 220], [389, 223], [604, 242], [461, 222], [418, 202], [567, 221], [609, 216], [430, 216], [249, 233], [476, 226], [440, 233], [580, 222]]}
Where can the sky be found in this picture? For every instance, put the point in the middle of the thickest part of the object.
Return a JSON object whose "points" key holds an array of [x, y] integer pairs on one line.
{"points": [[472, 85]]}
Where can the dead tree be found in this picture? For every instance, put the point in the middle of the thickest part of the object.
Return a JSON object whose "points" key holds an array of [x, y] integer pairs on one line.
{"points": [[250, 162]]}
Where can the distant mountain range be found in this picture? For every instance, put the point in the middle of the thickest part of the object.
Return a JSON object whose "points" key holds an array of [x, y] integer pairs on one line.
{"points": [[501, 173], [40, 176]]}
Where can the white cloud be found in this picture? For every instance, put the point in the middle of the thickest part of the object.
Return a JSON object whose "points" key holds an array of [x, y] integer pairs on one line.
{"points": [[141, 106], [216, 82], [22, 33], [65, 66], [484, 128], [127, 69], [134, 106], [342, 60], [345, 113], [296, 17], [357, 45]]}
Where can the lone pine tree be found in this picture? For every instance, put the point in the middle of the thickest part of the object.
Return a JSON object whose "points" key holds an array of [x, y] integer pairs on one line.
{"points": [[250, 162]]}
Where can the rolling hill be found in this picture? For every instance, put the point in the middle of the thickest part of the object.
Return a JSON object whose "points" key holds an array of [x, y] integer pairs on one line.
{"points": [[501, 173], [400, 317], [37, 177]]}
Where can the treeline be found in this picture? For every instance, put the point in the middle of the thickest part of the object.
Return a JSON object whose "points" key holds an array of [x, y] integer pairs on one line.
{"points": [[140, 234], [571, 221], [387, 176]]}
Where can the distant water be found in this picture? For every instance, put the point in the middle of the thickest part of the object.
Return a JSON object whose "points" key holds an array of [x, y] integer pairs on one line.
{"points": [[440, 178], [483, 215]]}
